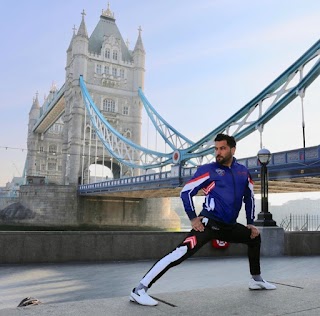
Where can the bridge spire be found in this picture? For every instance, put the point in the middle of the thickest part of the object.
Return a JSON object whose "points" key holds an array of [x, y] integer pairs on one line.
{"points": [[35, 104], [139, 44], [108, 13], [139, 62], [83, 29], [74, 29]]}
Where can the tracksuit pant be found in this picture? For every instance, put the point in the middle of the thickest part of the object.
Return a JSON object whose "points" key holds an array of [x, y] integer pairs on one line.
{"points": [[236, 233]]}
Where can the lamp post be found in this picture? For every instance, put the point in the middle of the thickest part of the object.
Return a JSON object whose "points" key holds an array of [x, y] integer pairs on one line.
{"points": [[264, 217]]}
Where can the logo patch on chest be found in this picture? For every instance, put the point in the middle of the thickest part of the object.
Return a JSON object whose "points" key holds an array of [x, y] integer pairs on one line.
{"points": [[220, 172]]}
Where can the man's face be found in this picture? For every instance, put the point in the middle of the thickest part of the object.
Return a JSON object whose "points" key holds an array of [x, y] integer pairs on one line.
{"points": [[224, 153]]}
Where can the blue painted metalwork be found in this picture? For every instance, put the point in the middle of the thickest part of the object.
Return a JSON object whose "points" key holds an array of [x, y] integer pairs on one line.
{"points": [[167, 132], [109, 136], [200, 148], [303, 162]]}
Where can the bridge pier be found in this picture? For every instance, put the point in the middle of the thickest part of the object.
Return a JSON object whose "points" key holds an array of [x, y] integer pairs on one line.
{"points": [[154, 213], [59, 205]]}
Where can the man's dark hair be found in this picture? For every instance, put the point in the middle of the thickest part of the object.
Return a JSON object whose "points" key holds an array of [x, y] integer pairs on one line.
{"points": [[230, 139]]}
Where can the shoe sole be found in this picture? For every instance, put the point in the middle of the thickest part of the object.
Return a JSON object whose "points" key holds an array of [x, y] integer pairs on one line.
{"points": [[259, 288], [134, 301]]}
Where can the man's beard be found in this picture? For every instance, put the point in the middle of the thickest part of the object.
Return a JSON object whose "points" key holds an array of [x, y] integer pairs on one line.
{"points": [[224, 160]]}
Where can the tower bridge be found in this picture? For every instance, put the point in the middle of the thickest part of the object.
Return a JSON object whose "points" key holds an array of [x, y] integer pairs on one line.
{"points": [[96, 118]]}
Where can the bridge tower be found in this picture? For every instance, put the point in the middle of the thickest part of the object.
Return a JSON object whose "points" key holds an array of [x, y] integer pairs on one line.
{"points": [[113, 76], [113, 73]]}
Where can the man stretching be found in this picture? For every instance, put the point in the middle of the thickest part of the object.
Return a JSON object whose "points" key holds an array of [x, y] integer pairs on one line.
{"points": [[225, 184]]}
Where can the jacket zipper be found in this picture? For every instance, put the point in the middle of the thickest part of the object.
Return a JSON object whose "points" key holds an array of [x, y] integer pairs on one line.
{"points": [[234, 190]]}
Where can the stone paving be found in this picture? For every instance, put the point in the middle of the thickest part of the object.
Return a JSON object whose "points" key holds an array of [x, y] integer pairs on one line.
{"points": [[206, 286]]}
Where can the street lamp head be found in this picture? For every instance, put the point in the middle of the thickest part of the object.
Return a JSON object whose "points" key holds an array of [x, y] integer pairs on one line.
{"points": [[264, 156]]}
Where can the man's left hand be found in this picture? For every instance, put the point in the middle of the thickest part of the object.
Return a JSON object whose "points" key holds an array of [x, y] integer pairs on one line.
{"points": [[254, 231]]}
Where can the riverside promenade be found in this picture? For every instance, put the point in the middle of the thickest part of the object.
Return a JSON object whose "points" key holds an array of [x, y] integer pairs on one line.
{"points": [[199, 286]]}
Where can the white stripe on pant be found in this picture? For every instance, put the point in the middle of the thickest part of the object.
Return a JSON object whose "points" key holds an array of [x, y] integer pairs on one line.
{"points": [[163, 263]]}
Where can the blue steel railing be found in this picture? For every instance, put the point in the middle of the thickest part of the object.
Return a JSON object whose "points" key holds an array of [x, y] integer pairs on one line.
{"points": [[300, 156], [127, 181], [167, 179], [302, 162]]}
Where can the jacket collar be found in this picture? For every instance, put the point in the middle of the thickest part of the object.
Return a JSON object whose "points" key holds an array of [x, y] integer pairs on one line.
{"points": [[234, 161]]}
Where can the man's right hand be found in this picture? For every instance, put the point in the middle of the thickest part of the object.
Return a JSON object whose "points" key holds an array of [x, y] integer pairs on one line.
{"points": [[197, 224], [254, 231]]}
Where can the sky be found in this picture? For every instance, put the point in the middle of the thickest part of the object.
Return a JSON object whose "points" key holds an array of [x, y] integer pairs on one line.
{"points": [[204, 61]]}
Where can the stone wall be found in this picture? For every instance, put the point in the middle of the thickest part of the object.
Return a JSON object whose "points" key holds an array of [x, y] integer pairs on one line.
{"points": [[52, 205], [36, 247], [6, 201], [302, 243], [128, 212]]}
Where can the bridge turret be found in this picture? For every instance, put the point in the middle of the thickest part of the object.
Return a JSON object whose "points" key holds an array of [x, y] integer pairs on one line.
{"points": [[32, 140], [80, 51], [52, 92], [139, 63], [34, 113], [77, 65], [69, 52]]}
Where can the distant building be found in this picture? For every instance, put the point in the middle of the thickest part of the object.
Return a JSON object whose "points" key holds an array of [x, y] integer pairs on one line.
{"points": [[10, 193], [12, 188], [113, 73]]}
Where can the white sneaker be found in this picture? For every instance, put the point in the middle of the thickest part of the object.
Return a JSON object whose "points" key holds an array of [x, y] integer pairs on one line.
{"points": [[261, 285], [142, 298]]}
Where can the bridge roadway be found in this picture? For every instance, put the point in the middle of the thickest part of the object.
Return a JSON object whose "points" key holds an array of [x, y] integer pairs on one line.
{"points": [[291, 171], [275, 186]]}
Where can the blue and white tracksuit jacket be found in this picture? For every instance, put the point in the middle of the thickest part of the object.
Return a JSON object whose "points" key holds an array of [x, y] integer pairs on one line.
{"points": [[225, 189]]}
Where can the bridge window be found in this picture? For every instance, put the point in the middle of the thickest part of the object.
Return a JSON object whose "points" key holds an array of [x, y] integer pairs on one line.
{"points": [[52, 164], [127, 133], [125, 110], [98, 69], [109, 105], [52, 149], [55, 129], [122, 73], [107, 53], [41, 149], [115, 55], [106, 70], [114, 72], [93, 134]]}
